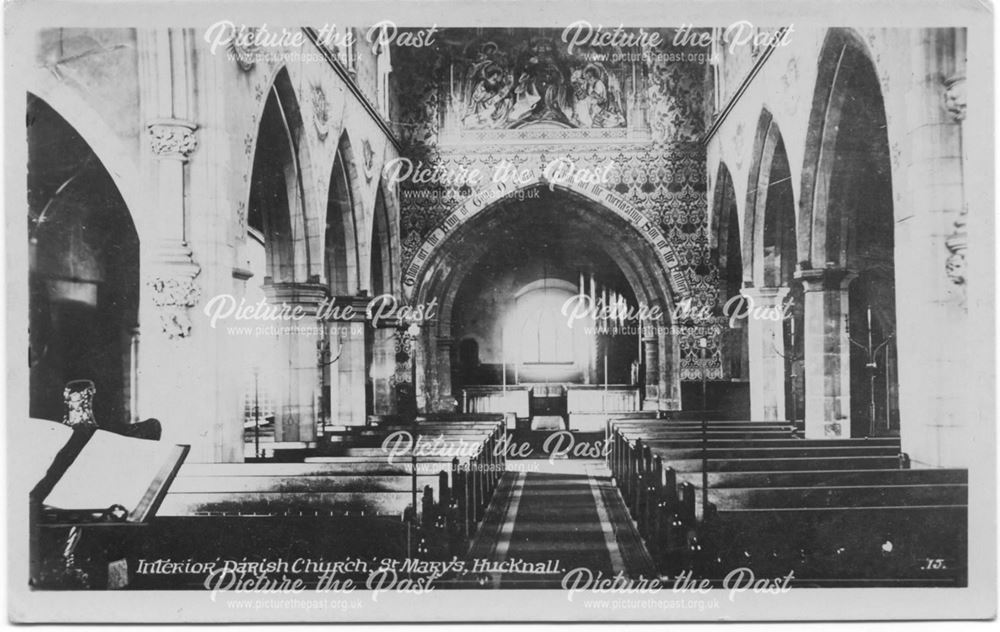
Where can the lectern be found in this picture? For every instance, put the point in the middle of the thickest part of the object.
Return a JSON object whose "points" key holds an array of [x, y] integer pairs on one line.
{"points": [[96, 492]]}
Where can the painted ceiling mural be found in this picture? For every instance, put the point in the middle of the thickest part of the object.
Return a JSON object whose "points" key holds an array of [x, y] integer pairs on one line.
{"points": [[482, 97], [505, 84]]}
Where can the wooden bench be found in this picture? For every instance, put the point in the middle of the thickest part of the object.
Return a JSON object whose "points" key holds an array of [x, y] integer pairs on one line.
{"points": [[431, 493], [831, 510], [869, 531], [622, 459]]}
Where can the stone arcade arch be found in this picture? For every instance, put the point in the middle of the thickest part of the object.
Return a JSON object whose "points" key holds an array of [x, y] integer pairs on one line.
{"points": [[343, 363], [380, 360], [846, 238], [728, 255], [639, 249], [83, 274], [769, 261], [285, 363]]}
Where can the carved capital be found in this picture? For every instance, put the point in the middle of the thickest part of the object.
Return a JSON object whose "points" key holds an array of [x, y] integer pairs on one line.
{"points": [[825, 279], [172, 138], [955, 98], [174, 294]]}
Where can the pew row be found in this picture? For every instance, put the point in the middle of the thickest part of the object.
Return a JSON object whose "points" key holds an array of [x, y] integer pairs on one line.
{"points": [[429, 503], [843, 512]]}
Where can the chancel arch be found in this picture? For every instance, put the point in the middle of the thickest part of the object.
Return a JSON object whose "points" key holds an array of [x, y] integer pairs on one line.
{"points": [[847, 238], [83, 275], [547, 241], [769, 264]]}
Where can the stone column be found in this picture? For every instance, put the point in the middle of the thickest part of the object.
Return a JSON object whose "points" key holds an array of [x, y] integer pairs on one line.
{"points": [[297, 370], [440, 398], [347, 373], [381, 371], [651, 362], [939, 387], [669, 376], [827, 353], [183, 374], [767, 346]]}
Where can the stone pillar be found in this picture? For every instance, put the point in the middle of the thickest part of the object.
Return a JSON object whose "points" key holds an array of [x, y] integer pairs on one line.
{"points": [[767, 346], [421, 346], [651, 363], [347, 373], [827, 353], [440, 398], [669, 376], [181, 380], [939, 388], [296, 372], [381, 371]]}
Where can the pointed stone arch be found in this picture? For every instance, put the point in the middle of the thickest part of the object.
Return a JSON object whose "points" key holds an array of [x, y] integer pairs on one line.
{"points": [[103, 141], [727, 252], [647, 231], [769, 245], [643, 255], [847, 247], [280, 123], [82, 272], [343, 270]]}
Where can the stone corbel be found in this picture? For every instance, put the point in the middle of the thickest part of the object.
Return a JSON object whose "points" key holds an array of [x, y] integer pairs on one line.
{"points": [[174, 292], [955, 98], [172, 138]]}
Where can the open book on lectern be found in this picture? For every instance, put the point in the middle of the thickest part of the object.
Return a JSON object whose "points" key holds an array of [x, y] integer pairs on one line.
{"points": [[87, 476]]}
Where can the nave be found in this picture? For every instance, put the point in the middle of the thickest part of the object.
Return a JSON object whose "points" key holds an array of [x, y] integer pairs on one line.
{"points": [[793, 270]]}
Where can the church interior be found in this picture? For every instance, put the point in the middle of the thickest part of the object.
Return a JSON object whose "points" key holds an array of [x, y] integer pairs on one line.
{"points": [[679, 307]]}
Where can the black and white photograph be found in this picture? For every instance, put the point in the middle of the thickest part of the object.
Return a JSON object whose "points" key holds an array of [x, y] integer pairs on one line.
{"points": [[458, 312]]}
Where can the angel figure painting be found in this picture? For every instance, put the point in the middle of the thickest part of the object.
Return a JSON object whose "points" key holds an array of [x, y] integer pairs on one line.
{"points": [[511, 86], [598, 98]]}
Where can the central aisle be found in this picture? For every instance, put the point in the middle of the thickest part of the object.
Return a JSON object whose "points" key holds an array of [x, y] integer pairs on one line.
{"points": [[548, 519]]}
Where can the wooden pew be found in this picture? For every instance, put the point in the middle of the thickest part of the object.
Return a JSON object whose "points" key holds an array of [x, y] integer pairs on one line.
{"points": [[475, 442], [456, 437], [872, 532], [359, 483], [622, 457], [778, 504], [790, 454]]}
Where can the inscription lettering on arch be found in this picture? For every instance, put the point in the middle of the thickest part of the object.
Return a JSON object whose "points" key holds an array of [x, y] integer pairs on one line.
{"points": [[601, 195]]}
